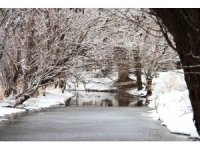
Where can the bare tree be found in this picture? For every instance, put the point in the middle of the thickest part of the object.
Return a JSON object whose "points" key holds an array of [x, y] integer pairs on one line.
{"points": [[41, 48]]}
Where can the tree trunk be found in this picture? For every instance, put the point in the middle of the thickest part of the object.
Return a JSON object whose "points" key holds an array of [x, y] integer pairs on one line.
{"points": [[123, 75], [138, 77], [184, 25], [120, 56], [138, 73], [149, 86], [62, 85], [8, 91], [21, 100]]}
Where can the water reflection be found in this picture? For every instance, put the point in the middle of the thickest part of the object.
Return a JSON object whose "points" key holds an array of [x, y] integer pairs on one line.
{"points": [[13, 119], [102, 99]]}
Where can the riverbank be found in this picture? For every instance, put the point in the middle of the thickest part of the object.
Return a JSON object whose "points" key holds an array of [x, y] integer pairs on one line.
{"points": [[88, 81], [54, 97], [171, 104]]}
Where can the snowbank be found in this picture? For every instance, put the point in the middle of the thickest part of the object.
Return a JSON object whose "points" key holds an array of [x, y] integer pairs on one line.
{"points": [[171, 103], [7, 111], [53, 97], [90, 81]]}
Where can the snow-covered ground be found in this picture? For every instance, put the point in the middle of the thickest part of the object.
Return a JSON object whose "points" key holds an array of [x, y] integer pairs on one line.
{"points": [[89, 81], [53, 97], [171, 104], [7, 111]]}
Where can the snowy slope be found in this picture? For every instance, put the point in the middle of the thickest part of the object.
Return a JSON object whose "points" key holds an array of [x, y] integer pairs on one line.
{"points": [[53, 97], [171, 102]]}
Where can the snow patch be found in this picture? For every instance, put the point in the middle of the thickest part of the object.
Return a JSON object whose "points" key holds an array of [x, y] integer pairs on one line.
{"points": [[89, 81], [53, 97], [7, 111]]}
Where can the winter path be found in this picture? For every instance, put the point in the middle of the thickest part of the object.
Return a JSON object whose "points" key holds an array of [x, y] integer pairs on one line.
{"points": [[87, 124]]}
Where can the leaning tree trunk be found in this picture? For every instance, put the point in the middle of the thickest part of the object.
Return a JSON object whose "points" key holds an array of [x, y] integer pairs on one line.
{"points": [[184, 25]]}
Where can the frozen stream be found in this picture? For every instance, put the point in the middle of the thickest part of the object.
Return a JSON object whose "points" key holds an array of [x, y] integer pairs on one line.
{"points": [[88, 123]]}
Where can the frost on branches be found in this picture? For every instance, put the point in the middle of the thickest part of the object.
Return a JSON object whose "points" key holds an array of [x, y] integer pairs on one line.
{"points": [[46, 47]]}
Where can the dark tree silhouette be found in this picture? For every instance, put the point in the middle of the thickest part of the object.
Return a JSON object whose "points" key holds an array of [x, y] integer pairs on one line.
{"points": [[138, 66], [184, 25]]}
